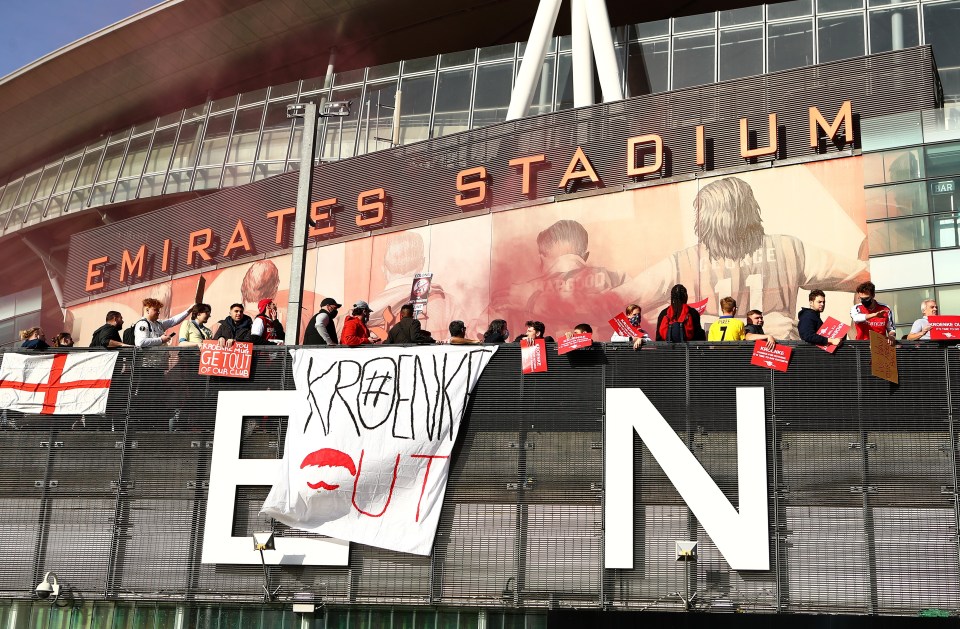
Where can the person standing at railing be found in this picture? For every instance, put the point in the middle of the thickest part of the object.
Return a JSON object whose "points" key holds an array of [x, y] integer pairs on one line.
{"points": [[921, 327], [149, 331], [194, 331]]}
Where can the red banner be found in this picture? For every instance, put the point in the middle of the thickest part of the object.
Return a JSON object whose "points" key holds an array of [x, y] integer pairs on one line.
{"points": [[777, 358], [700, 306], [622, 326], [577, 341], [533, 355], [832, 329], [232, 362], [944, 328]]}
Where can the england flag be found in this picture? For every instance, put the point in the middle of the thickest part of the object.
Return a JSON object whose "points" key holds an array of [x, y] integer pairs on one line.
{"points": [[56, 384]]}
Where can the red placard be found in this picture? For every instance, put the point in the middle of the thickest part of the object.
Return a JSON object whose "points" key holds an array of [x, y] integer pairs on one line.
{"points": [[832, 329], [622, 326], [577, 341], [700, 306], [232, 362], [944, 328], [533, 355], [777, 358]]}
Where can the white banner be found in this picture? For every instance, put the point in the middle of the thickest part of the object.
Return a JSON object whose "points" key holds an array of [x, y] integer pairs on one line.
{"points": [[369, 438], [75, 383]]}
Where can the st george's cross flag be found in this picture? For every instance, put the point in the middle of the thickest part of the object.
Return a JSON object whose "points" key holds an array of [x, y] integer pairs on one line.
{"points": [[56, 384]]}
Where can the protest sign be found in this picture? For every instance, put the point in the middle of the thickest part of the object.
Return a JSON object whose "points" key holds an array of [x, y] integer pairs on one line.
{"points": [[777, 358], [883, 358], [420, 292], [227, 362], [369, 439], [832, 329], [622, 326], [533, 356], [577, 341], [944, 328]]}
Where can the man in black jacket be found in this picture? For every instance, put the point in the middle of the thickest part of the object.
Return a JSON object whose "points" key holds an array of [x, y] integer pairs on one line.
{"points": [[107, 336], [809, 321], [322, 330], [236, 327], [407, 329]]}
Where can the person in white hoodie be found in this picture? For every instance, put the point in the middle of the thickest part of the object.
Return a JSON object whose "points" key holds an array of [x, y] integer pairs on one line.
{"points": [[150, 330]]}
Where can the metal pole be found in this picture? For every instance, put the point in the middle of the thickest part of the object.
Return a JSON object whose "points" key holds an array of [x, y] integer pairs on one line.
{"points": [[582, 55], [533, 58], [298, 260], [607, 67]]}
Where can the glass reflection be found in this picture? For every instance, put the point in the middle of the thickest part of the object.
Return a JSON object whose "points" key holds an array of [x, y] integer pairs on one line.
{"points": [[452, 109], [494, 84], [741, 53], [415, 106]]}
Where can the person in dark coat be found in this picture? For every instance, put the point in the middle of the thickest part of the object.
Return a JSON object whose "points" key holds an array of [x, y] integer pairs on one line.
{"points": [[321, 330], [497, 332], [809, 321], [407, 329], [236, 327]]}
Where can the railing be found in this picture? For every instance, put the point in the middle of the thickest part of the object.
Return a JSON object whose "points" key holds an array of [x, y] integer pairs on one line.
{"points": [[862, 487]]}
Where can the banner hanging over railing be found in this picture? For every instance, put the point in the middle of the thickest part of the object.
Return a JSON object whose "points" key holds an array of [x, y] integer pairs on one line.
{"points": [[368, 443]]}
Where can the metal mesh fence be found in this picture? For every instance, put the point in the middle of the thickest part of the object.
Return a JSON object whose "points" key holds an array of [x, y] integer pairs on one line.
{"points": [[862, 488]]}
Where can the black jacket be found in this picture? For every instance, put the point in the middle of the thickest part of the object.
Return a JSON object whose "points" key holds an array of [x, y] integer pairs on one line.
{"points": [[312, 337], [808, 322], [407, 330], [104, 334], [236, 331]]}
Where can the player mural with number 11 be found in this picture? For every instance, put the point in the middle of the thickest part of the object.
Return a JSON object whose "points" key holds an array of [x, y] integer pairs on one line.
{"points": [[735, 257]]}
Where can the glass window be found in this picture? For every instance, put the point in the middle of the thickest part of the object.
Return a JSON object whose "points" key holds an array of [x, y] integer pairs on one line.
{"points": [[256, 96], [940, 23], [282, 91], [8, 305], [542, 101], [905, 305], [136, 156], [840, 37], [78, 200], [56, 205], [151, 186], [207, 178], [28, 188], [341, 133], [945, 230], [340, 78], [35, 211], [195, 112], [564, 82], [67, 174], [246, 132], [169, 119], [829, 6], [746, 15], [452, 59], [948, 299], [214, 146], [276, 132], [111, 162], [46, 182], [10, 194], [146, 127], [88, 168], [789, 45], [648, 67], [786, 10], [692, 60], [28, 301], [188, 144], [879, 3], [223, 104], [384, 71], [741, 53], [415, 106], [236, 175], [420, 65], [943, 159], [906, 199], [126, 190], [906, 234], [649, 29], [496, 53], [894, 29], [262, 171], [452, 110], [160, 152], [494, 84], [892, 166], [178, 181], [688, 23]]}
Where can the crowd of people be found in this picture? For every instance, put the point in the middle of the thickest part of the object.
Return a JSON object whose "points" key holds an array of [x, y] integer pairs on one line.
{"points": [[678, 322]]}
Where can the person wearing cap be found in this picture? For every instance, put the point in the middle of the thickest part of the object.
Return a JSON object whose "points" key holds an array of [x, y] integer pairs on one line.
{"points": [[266, 329], [355, 330], [322, 330]]}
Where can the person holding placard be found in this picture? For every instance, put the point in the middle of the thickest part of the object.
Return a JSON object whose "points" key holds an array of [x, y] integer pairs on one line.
{"points": [[870, 314], [922, 326], [809, 320]]}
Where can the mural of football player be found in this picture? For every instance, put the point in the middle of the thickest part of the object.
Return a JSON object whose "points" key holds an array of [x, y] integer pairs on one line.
{"points": [[403, 258], [735, 257], [569, 288]]}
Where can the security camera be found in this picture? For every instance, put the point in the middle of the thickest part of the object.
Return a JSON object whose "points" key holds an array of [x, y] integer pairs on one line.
{"points": [[49, 586]]}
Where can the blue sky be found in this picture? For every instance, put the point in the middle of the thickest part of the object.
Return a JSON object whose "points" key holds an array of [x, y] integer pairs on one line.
{"points": [[30, 29]]}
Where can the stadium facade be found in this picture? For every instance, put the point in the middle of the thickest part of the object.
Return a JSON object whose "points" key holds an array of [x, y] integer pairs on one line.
{"points": [[761, 151]]}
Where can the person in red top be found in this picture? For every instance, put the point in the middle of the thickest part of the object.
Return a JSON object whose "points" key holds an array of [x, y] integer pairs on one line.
{"points": [[870, 314], [687, 319], [355, 330]]}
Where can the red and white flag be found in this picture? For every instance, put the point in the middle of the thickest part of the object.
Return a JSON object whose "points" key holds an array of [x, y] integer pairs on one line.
{"points": [[56, 384]]}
